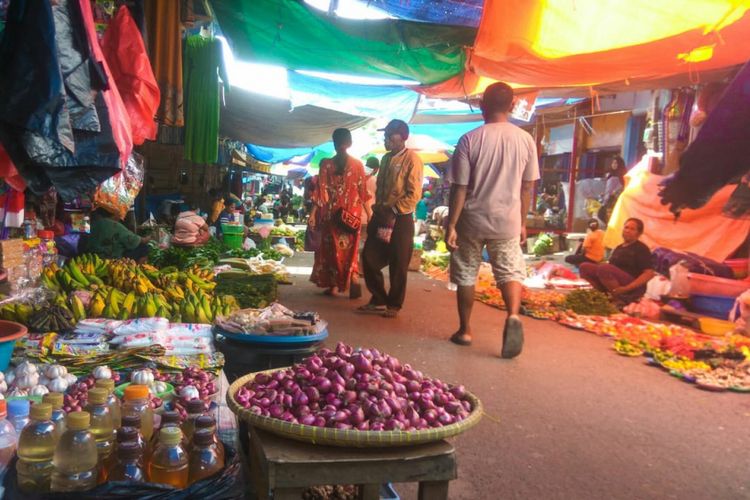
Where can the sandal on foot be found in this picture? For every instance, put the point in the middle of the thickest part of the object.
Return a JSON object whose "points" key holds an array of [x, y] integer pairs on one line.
{"points": [[390, 313], [512, 338], [329, 292], [370, 309], [460, 339]]}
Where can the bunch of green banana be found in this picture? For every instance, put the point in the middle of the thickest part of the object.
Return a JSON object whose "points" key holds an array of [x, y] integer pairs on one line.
{"points": [[53, 318]]}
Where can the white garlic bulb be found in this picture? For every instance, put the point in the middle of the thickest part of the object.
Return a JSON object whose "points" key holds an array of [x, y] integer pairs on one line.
{"points": [[189, 392], [102, 372], [54, 371], [58, 384], [27, 381], [158, 387], [25, 368], [17, 392], [142, 377], [3, 387], [39, 390], [71, 379]]}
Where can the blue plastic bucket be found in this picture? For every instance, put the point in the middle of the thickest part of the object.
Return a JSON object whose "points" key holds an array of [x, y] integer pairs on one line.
{"points": [[9, 333], [716, 306]]}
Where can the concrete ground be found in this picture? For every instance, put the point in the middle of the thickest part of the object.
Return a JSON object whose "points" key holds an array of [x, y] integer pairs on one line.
{"points": [[568, 418]]}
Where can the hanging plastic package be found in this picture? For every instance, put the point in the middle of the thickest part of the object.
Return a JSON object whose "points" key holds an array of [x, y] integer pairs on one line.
{"points": [[128, 61], [9, 172], [118, 193], [61, 123]]}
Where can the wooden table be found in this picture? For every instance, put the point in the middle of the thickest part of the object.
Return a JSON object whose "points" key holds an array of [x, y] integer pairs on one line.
{"points": [[282, 469]]}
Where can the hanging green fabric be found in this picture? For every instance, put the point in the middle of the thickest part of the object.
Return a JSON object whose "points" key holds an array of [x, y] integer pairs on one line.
{"points": [[288, 33], [203, 64]]}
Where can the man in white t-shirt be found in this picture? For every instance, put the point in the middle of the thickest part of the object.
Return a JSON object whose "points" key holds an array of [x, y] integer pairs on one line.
{"points": [[492, 178]]}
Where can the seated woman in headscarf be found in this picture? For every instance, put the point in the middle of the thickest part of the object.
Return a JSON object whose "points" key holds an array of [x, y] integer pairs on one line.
{"points": [[110, 239], [190, 229], [629, 268]]}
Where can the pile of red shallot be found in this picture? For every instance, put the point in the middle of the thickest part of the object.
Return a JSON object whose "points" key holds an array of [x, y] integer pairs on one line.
{"points": [[361, 389]]}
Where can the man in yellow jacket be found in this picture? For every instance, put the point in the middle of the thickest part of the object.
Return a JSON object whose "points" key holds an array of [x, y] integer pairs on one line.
{"points": [[390, 234]]}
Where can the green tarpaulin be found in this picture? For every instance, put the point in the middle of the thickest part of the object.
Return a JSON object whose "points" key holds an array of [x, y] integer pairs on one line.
{"points": [[287, 33]]}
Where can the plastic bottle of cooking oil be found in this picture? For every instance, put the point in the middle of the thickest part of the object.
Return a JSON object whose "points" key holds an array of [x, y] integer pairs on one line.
{"points": [[134, 421], [36, 446], [18, 414], [128, 466], [55, 399], [208, 422], [168, 463], [205, 458], [101, 428], [8, 437], [172, 419], [136, 403], [195, 409], [76, 457], [112, 401]]}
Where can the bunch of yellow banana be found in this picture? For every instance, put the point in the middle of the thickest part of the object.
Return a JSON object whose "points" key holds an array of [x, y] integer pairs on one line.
{"points": [[20, 313], [202, 308], [204, 274], [90, 264]]}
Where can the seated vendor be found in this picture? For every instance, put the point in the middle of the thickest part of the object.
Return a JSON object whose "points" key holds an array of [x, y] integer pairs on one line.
{"points": [[592, 248], [110, 238], [226, 216], [629, 268], [190, 229]]}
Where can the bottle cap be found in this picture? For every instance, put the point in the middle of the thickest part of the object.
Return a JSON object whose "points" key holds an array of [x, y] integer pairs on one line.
{"points": [[203, 437], [19, 407], [55, 399], [136, 392], [131, 421], [170, 436], [78, 420], [41, 411], [127, 434], [3, 408], [170, 417], [204, 422], [195, 406], [105, 383], [98, 396], [129, 450]]}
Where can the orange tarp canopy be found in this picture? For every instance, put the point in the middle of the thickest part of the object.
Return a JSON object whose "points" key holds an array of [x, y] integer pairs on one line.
{"points": [[705, 231], [567, 43]]}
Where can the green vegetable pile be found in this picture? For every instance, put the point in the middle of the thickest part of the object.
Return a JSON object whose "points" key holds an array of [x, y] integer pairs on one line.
{"points": [[543, 245], [207, 255], [436, 259], [589, 302], [250, 290], [185, 257]]}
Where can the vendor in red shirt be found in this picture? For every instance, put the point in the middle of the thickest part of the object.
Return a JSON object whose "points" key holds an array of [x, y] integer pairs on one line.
{"points": [[629, 268]]}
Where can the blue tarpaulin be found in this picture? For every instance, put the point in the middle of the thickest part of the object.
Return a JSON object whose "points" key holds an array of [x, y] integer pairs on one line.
{"points": [[452, 12], [372, 101], [276, 155]]}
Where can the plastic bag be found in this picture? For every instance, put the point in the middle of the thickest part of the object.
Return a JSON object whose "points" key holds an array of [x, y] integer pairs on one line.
{"points": [[678, 276], [117, 194], [140, 325], [657, 286], [228, 484]]}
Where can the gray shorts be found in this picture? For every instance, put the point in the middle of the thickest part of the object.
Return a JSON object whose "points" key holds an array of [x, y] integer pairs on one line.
{"points": [[506, 259]]}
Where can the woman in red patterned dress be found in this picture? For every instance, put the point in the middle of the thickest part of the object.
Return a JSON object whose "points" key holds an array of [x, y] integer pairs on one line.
{"points": [[342, 190]]}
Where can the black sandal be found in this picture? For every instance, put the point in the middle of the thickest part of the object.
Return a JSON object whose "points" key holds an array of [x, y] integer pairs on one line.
{"points": [[460, 339]]}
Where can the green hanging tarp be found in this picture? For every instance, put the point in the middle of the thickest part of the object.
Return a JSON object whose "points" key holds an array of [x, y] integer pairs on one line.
{"points": [[287, 33]]}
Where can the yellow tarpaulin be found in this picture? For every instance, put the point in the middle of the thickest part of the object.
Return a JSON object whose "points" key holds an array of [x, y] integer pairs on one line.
{"points": [[704, 231]]}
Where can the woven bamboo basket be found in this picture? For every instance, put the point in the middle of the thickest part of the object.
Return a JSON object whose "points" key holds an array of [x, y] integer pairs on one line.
{"points": [[349, 438]]}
